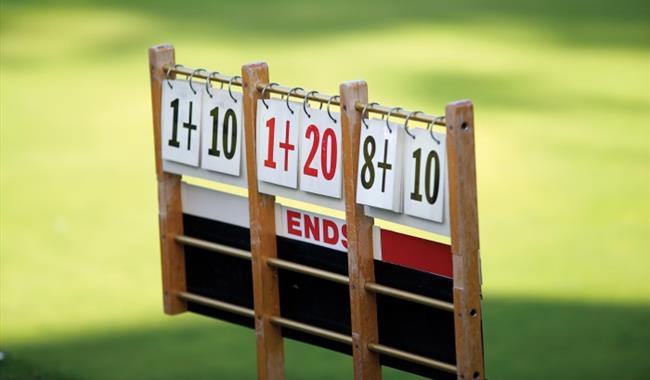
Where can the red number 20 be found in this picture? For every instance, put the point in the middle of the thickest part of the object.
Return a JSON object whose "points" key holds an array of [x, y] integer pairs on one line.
{"points": [[328, 146]]}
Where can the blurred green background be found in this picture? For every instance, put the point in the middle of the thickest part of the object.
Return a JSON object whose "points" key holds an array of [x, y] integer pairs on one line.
{"points": [[562, 97]]}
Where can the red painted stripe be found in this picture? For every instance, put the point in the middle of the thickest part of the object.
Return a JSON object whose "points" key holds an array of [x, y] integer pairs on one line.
{"points": [[416, 253]]}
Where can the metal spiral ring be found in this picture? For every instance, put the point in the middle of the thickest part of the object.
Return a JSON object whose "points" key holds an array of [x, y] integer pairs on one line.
{"points": [[304, 102], [264, 90], [230, 87], [430, 129], [329, 101], [208, 86], [363, 113], [388, 117], [192, 76], [169, 71], [289, 95], [406, 123]]}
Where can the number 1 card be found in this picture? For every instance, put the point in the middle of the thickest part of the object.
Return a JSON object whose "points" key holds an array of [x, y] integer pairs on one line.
{"points": [[277, 142], [180, 122]]}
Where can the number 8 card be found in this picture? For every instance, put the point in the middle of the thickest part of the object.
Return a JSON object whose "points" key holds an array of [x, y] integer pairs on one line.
{"points": [[379, 181]]}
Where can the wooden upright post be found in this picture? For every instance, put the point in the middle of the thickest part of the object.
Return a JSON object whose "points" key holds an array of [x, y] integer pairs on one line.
{"points": [[363, 304], [270, 350], [169, 193], [464, 239]]}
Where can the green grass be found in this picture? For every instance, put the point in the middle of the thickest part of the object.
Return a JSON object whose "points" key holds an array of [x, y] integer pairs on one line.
{"points": [[562, 95]]}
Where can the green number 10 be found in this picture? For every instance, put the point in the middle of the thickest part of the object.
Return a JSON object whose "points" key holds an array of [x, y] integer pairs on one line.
{"points": [[228, 140], [431, 194]]}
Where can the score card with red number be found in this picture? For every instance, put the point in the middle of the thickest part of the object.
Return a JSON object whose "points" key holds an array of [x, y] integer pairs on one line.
{"points": [[320, 152], [277, 142]]}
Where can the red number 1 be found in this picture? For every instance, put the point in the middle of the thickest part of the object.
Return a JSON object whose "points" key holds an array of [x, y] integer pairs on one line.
{"points": [[269, 162]]}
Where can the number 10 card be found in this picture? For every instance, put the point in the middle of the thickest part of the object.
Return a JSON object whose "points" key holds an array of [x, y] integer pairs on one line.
{"points": [[425, 170], [221, 146]]}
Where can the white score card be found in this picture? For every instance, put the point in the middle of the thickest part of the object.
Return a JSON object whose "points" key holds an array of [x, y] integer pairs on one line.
{"points": [[379, 181], [320, 153], [222, 138], [277, 142], [180, 121], [425, 170]]}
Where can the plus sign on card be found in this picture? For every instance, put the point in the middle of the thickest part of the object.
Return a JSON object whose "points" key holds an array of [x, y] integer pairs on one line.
{"points": [[277, 142], [379, 181]]}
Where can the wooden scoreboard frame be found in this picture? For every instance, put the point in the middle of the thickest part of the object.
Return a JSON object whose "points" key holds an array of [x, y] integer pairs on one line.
{"points": [[363, 289]]}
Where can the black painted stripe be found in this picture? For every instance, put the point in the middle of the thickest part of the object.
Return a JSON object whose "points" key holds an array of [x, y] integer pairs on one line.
{"points": [[403, 325]]}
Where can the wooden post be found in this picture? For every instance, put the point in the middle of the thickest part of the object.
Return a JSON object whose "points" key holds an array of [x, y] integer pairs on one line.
{"points": [[464, 239], [169, 193], [363, 304], [270, 350]]}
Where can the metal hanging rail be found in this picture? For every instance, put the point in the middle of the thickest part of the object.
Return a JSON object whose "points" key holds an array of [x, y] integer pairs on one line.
{"points": [[298, 92], [315, 272], [400, 112], [320, 332], [203, 74]]}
